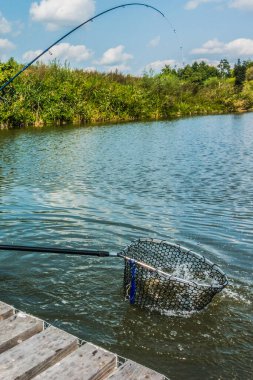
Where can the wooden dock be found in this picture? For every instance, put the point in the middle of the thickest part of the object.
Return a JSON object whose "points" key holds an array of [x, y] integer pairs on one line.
{"points": [[30, 349]]}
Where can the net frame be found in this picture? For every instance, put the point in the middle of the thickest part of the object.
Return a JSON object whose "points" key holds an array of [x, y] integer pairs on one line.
{"points": [[150, 280]]}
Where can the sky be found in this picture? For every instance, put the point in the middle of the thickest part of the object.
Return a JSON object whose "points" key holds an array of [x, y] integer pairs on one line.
{"points": [[133, 39]]}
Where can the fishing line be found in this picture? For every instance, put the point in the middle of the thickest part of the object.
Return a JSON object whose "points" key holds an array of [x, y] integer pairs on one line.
{"points": [[73, 30], [179, 42]]}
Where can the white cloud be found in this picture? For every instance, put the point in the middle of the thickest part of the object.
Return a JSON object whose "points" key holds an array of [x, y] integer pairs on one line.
{"points": [[63, 51], [193, 4], [210, 47], [121, 68], [31, 54], [239, 4], [56, 13], [89, 69], [209, 62], [114, 56], [155, 41], [238, 47], [158, 65], [5, 25], [6, 44], [242, 4]]}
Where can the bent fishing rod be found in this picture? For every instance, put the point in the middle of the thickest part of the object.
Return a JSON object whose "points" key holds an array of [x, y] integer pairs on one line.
{"points": [[73, 30]]}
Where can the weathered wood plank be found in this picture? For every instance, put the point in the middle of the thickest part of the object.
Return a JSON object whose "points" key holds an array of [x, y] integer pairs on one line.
{"points": [[5, 311], [88, 362], [133, 371], [36, 354], [16, 329], [54, 354]]}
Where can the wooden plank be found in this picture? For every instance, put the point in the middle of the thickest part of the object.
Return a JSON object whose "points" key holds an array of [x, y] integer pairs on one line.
{"points": [[5, 311], [16, 329], [36, 354], [133, 371], [88, 362]]}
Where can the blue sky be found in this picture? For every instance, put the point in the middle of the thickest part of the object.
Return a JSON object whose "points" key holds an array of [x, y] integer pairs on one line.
{"points": [[131, 39]]}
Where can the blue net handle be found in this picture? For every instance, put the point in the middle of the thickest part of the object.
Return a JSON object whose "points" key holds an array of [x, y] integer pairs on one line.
{"points": [[132, 284]]}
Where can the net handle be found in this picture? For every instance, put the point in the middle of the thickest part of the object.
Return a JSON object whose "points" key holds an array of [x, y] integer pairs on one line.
{"points": [[88, 252], [71, 251], [64, 251]]}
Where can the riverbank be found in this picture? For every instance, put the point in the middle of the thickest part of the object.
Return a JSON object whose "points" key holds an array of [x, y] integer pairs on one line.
{"points": [[57, 95]]}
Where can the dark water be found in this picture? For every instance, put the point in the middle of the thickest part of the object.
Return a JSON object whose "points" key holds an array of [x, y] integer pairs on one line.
{"points": [[187, 181]]}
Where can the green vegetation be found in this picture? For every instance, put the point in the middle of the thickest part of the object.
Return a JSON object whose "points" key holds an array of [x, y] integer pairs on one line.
{"points": [[56, 94]]}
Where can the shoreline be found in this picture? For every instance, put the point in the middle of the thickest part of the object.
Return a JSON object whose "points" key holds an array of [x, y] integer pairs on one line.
{"points": [[99, 122]]}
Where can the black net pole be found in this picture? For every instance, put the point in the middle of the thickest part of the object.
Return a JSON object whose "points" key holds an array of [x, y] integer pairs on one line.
{"points": [[65, 251]]}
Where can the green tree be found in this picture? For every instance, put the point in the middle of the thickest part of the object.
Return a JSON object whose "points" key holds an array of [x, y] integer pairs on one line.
{"points": [[224, 68], [168, 70], [198, 72], [249, 73], [240, 74]]}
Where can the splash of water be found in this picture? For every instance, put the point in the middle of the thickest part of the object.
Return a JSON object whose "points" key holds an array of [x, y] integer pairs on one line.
{"points": [[183, 271]]}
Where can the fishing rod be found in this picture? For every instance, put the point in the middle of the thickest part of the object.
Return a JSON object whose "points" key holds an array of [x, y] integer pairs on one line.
{"points": [[73, 30]]}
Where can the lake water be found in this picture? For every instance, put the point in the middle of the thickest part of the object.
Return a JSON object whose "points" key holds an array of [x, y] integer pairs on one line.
{"points": [[188, 181]]}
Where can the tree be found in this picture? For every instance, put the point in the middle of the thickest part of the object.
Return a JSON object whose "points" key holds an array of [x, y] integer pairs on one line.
{"points": [[224, 68], [240, 74], [249, 73], [198, 72], [168, 70]]}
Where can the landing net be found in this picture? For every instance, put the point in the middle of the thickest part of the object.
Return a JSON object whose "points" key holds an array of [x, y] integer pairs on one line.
{"points": [[163, 276]]}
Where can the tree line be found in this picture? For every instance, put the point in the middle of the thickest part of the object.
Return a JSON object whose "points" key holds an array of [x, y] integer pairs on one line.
{"points": [[56, 94]]}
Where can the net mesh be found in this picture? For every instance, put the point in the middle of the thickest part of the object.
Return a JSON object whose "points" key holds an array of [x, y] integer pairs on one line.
{"points": [[180, 280]]}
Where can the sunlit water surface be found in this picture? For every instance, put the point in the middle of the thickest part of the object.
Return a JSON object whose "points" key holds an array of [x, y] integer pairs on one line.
{"points": [[188, 181]]}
